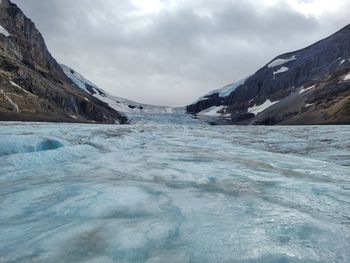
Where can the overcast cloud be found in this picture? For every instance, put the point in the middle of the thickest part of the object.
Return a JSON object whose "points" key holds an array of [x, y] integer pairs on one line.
{"points": [[170, 52]]}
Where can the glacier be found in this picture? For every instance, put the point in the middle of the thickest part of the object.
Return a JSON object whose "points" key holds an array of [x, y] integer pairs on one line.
{"points": [[119, 104], [223, 92], [168, 188]]}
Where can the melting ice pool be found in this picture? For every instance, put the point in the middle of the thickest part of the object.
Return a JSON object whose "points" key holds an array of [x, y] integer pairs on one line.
{"points": [[181, 192]]}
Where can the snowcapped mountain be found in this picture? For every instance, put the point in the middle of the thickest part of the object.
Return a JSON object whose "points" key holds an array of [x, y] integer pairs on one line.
{"points": [[33, 86], [119, 104], [308, 86]]}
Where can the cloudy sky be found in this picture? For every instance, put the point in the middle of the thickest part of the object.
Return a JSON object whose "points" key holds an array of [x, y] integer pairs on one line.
{"points": [[169, 52]]}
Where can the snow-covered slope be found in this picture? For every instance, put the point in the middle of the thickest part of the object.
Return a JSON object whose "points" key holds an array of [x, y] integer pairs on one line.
{"points": [[223, 92], [117, 103]]}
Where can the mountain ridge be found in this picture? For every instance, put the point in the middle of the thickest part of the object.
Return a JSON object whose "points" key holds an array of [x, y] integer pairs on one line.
{"points": [[123, 105], [283, 76], [306, 86], [33, 86]]}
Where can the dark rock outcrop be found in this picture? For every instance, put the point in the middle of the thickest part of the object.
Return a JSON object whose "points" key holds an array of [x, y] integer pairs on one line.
{"points": [[309, 85], [33, 86]]}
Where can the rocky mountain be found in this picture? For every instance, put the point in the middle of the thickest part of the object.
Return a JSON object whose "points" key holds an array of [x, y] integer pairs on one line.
{"points": [[120, 104], [308, 86], [33, 85]]}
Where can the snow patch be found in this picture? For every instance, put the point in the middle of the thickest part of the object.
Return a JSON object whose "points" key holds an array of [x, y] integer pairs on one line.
{"points": [[257, 109], [14, 84], [281, 70], [308, 105], [199, 99], [341, 62], [346, 77], [4, 32], [14, 105], [306, 89], [212, 111], [281, 61], [19, 87]]}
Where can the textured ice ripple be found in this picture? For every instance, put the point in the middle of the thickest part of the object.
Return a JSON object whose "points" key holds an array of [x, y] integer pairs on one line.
{"points": [[174, 191], [27, 144]]}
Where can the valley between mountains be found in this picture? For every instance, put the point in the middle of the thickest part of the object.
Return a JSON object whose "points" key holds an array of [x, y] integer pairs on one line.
{"points": [[308, 86]]}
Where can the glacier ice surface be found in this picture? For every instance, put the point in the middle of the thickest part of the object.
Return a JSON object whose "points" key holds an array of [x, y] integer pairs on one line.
{"points": [[171, 189]]}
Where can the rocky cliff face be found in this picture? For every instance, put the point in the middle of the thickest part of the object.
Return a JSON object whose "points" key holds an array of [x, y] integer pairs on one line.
{"points": [[33, 86], [308, 86]]}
